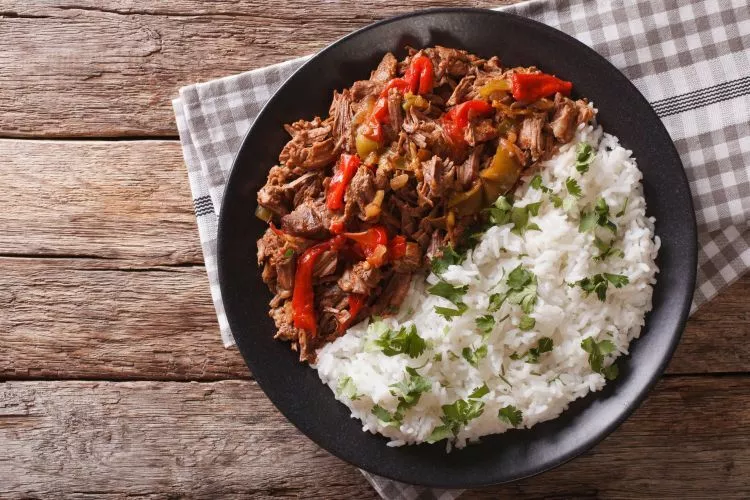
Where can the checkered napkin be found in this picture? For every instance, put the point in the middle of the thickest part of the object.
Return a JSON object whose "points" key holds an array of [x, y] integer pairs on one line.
{"points": [[690, 59]]}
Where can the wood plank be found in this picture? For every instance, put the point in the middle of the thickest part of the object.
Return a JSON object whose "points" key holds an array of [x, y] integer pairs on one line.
{"points": [[126, 200], [159, 323], [119, 78], [87, 439], [81, 318]]}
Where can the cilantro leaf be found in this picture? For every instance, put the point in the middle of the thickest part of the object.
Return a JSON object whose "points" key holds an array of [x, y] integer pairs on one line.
{"points": [[485, 323], [449, 313], [526, 323], [536, 183], [383, 415], [598, 217], [448, 257], [584, 156], [499, 212], [624, 207], [573, 188], [544, 345], [455, 415], [474, 356], [522, 288], [480, 392], [448, 291], [409, 391], [347, 389], [598, 284], [597, 351], [496, 301], [511, 415], [606, 250], [503, 212], [406, 341]]}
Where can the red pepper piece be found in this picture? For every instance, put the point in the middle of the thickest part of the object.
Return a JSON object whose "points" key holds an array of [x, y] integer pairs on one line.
{"points": [[456, 119], [356, 302], [337, 226], [531, 87], [278, 232], [347, 168], [396, 83], [370, 241], [420, 75], [397, 247], [303, 298]]}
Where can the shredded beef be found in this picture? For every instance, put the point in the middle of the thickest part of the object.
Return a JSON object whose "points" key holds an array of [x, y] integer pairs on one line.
{"points": [[360, 278]]}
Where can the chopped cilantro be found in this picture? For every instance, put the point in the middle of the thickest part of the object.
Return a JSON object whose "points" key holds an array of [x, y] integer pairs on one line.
{"points": [[606, 250], [598, 217], [480, 392], [584, 156], [485, 323], [510, 415], [448, 291], [347, 389], [456, 415], [536, 183], [597, 351], [544, 345], [573, 188], [437, 357], [406, 341], [624, 207], [448, 257], [522, 288], [474, 356], [384, 415], [449, 313], [496, 301], [503, 212], [526, 323], [506, 381], [409, 391], [598, 283]]}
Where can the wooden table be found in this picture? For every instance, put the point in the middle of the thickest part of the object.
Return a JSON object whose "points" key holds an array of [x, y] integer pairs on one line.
{"points": [[114, 380]]}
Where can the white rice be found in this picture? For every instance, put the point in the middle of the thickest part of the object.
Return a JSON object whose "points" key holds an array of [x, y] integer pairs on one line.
{"points": [[558, 255]]}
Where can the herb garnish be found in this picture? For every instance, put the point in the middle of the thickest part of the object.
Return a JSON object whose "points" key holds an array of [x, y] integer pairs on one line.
{"points": [[598, 283], [536, 183], [480, 392], [624, 207], [456, 415], [522, 288], [597, 217], [544, 345], [289, 253], [574, 189], [510, 415], [485, 323], [448, 257], [347, 389], [584, 156], [406, 341], [474, 356], [597, 351], [452, 293], [606, 250], [526, 323], [503, 212]]}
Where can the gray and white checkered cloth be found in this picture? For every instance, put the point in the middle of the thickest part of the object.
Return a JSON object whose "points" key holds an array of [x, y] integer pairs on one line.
{"points": [[690, 59]]}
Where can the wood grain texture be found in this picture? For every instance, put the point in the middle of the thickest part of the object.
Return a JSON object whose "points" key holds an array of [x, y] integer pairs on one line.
{"points": [[82, 318], [110, 68], [86, 318], [224, 439], [121, 200]]}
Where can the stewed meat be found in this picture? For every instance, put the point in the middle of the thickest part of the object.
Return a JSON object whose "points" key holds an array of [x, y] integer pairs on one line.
{"points": [[405, 164]]}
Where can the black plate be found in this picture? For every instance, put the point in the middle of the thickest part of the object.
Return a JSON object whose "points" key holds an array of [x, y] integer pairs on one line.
{"points": [[295, 388]]}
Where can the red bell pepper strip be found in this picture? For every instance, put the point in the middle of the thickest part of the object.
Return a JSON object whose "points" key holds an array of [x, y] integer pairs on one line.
{"points": [[420, 75], [399, 84], [347, 168], [278, 232], [370, 241], [456, 119], [356, 301], [337, 226], [303, 298], [531, 87], [397, 247]]}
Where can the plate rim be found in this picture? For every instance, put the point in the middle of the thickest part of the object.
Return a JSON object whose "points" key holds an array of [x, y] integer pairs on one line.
{"points": [[685, 304]]}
